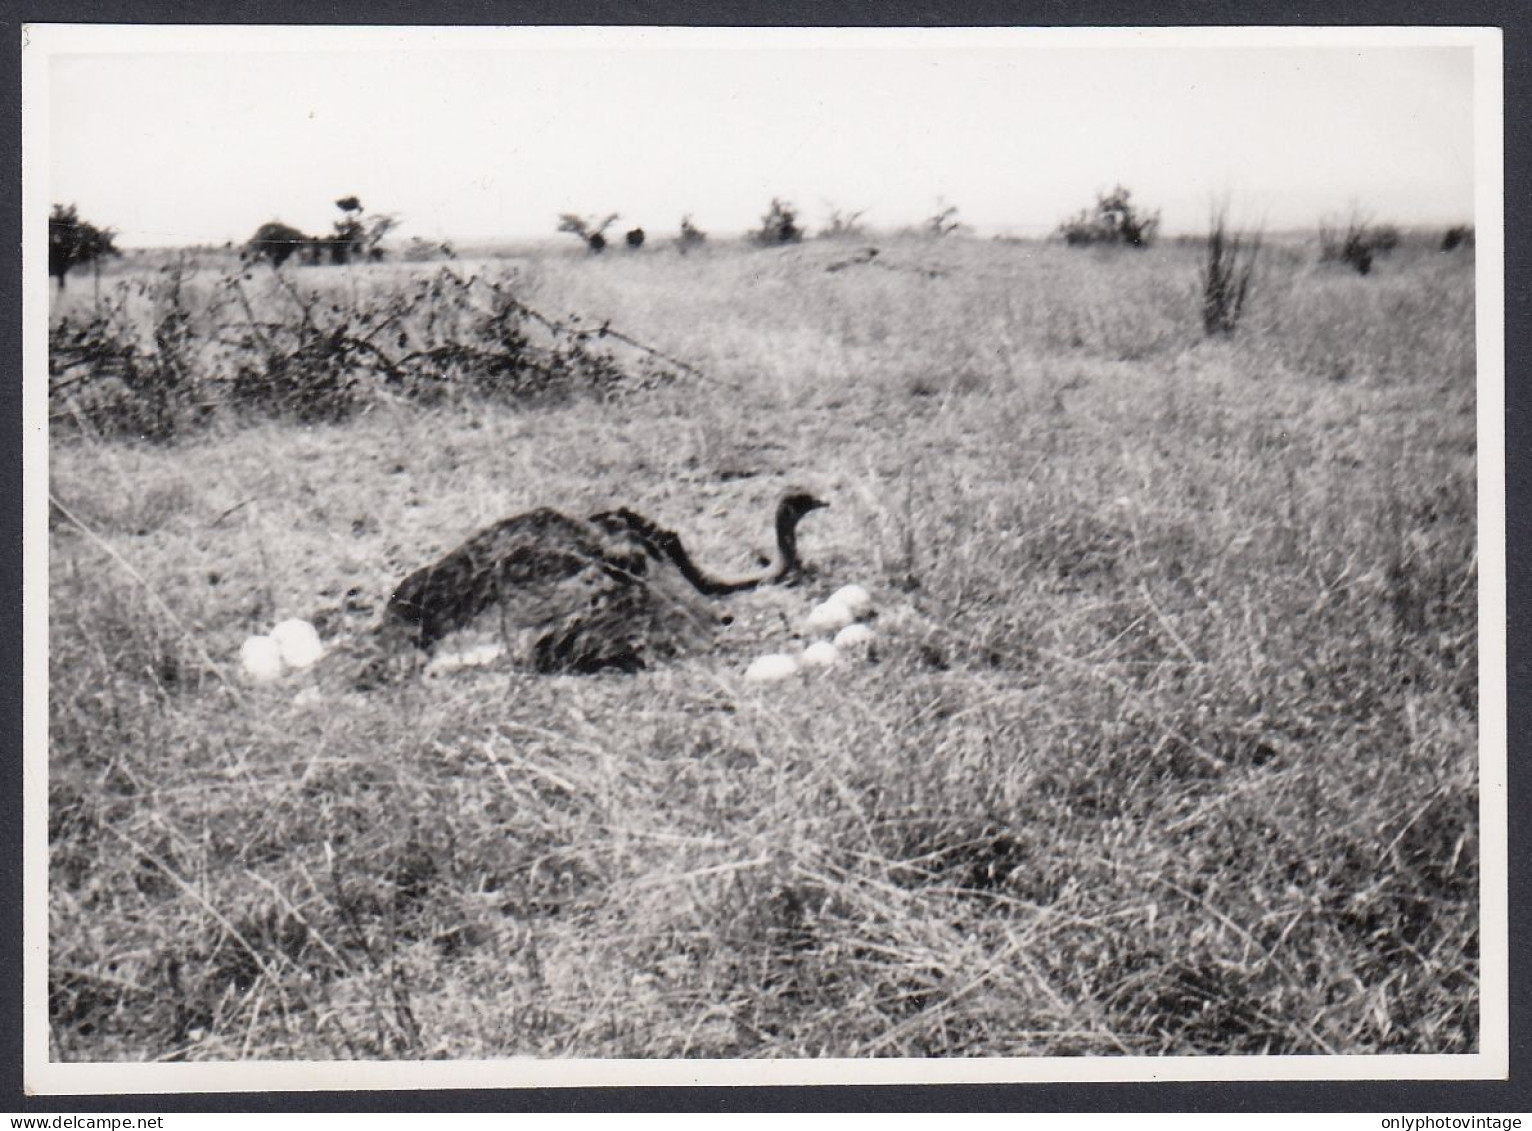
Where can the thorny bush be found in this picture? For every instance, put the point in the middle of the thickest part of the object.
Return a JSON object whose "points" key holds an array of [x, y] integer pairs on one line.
{"points": [[302, 355], [102, 373]]}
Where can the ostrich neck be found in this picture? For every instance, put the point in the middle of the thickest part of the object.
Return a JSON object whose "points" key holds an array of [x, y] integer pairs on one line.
{"points": [[787, 542], [786, 561]]}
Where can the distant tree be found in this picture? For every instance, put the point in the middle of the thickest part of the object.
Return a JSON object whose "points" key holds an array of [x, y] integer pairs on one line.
{"points": [[379, 224], [1114, 220], [635, 239], [589, 230], [355, 237], [358, 238], [349, 232], [691, 236], [778, 226], [276, 242], [73, 241]]}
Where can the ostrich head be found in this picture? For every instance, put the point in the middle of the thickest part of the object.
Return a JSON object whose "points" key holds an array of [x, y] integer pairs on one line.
{"points": [[799, 503]]}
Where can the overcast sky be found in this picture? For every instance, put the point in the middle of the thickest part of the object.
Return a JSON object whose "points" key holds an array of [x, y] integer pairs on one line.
{"points": [[175, 139]]}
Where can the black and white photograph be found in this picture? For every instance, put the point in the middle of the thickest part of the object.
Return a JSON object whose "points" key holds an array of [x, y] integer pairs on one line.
{"points": [[665, 555]]}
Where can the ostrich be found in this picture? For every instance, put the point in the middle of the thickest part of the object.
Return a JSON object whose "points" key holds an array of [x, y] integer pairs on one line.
{"points": [[580, 595]]}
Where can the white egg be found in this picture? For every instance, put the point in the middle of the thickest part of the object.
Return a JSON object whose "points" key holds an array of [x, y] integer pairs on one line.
{"points": [[828, 616], [855, 638], [855, 598], [771, 668], [821, 654], [299, 643], [261, 658]]}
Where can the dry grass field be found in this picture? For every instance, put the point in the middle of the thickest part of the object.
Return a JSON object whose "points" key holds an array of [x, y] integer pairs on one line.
{"points": [[1168, 746]]}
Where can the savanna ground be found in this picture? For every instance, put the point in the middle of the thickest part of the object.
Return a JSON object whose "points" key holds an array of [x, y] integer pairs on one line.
{"points": [[1169, 744]]}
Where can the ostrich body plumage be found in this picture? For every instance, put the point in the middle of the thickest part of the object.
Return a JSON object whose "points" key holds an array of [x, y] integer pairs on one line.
{"points": [[612, 591]]}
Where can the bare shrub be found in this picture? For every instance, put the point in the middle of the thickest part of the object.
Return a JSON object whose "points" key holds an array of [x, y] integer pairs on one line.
{"points": [[444, 338], [944, 221], [840, 225], [1226, 274], [299, 368], [103, 375]]}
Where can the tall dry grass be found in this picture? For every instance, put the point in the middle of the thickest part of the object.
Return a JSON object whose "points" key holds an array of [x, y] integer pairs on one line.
{"points": [[1170, 745]]}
